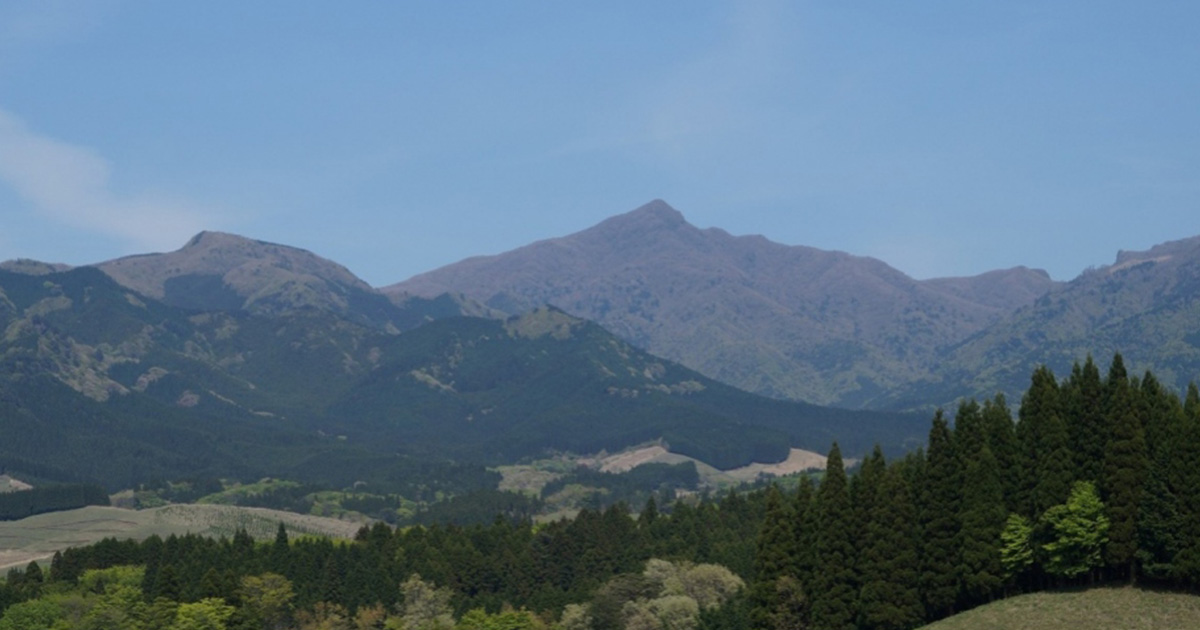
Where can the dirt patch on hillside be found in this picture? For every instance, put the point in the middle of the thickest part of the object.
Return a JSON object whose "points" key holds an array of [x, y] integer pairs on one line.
{"points": [[624, 462], [798, 460]]}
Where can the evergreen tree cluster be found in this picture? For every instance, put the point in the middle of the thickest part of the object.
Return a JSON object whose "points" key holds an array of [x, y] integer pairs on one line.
{"points": [[1096, 481], [492, 568]]}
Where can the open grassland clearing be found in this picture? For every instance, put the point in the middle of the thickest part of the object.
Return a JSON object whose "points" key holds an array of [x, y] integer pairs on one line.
{"points": [[1095, 609], [531, 478], [798, 460], [38, 537]]}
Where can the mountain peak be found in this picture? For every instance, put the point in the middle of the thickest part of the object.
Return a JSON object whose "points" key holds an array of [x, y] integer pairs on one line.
{"points": [[656, 213], [209, 239]]}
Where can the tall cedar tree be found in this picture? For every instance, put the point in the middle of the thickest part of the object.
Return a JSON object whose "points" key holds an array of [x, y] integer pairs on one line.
{"points": [[983, 518], [774, 558], [969, 433], [864, 495], [1158, 520], [1126, 463], [939, 522], [1086, 428], [1044, 445], [889, 598], [1002, 440], [804, 507], [834, 589], [1185, 477]]}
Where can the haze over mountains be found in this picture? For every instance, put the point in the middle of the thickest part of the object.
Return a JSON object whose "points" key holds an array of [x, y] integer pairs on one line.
{"points": [[830, 327], [783, 321]]}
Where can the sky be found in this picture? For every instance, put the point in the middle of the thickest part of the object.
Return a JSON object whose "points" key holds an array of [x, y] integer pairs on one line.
{"points": [[944, 138]]}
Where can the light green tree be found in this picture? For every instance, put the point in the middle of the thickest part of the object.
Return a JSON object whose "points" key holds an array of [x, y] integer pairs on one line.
{"points": [[268, 599], [206, 614], [1016, 546], [1080, 531], [426, 607], [35, 614]]}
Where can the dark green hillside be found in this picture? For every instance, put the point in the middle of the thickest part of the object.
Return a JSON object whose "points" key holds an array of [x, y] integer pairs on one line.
{"points": [[107, 385], [484, 389]]}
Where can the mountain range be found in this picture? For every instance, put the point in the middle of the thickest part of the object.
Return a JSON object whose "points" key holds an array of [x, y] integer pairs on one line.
{"points": [[102, 383], [833, 328], [632, 330]]}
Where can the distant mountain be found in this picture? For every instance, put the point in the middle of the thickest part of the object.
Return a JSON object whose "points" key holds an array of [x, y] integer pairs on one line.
{"points": [[99, 382], [1146, 305], [219, 271], [785, 321]]}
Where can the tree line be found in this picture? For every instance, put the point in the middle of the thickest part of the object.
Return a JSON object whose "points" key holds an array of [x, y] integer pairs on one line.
{"points": [[1097, 480], [1093, 481]]}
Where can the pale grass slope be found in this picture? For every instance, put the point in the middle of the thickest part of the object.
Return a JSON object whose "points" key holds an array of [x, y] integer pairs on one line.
{"points": [[38, 537], [1095, 609]]}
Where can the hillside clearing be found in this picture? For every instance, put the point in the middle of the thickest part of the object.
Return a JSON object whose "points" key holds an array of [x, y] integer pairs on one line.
{"points": [[38, 537], [1124, 608], [798, 460]]}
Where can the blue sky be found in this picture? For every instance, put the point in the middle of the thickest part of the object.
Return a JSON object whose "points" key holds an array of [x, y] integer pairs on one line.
{"points": [[945, 138]]}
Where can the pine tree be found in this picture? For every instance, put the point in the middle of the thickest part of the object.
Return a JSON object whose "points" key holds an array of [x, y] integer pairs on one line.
{"points": [[939, 523], [834, 592], [1125, 465]]}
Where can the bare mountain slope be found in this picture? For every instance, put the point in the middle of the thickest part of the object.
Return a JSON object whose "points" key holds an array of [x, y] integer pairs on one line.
{"points": [[787, 321]]}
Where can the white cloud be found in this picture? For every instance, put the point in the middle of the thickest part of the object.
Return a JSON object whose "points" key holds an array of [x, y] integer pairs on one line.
{"points": [[70, 184]]}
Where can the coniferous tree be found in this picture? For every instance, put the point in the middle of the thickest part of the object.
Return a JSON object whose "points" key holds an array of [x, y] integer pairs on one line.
{"points": [[969, 432], [1086, 424], [834, 590], [1126, 462], [939, 522], [1002, 440], [1044, 445], [1185, 478], [864, 497], [1159, 526], [805, 529], [889, 598], [983, 517], [1156, 410], [774, 559]]}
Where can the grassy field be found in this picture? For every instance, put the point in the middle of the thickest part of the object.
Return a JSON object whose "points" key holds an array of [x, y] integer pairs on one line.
{"points": [[1094, 609], [38, 537]]}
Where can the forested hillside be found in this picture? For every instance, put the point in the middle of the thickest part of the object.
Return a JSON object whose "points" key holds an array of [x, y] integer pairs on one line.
{"points": [[109, 386], [1093, 483]]}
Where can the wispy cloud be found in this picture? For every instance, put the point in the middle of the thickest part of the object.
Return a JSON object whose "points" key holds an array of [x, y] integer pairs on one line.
{"points": [[71, 185]]}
